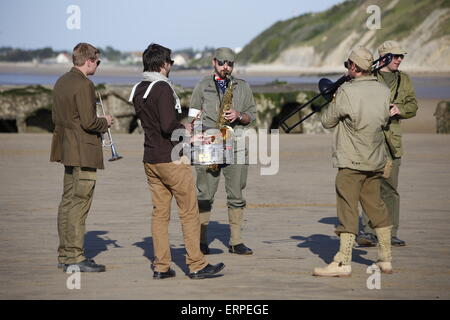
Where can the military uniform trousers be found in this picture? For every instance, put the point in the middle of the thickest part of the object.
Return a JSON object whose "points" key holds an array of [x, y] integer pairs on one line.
{"points": [[391, 198], [353, 186], [167, 180], [235, 182], [79, 185]]}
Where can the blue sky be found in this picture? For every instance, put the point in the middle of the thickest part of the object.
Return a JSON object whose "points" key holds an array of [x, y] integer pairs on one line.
{"points": [[133, 24]]}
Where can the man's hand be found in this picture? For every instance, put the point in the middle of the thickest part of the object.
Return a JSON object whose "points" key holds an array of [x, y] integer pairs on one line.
{"points": [[231, 115], [188, 127], [394, 110], [109, 119], [200, 139]]}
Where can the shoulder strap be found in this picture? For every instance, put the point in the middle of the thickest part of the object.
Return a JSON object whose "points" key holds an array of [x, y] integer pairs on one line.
{"points": [[398, 86], [150, 88], [132, 92]]}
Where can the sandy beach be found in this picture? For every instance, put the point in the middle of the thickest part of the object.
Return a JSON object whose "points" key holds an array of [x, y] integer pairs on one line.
{"points": [[290, 230], [289, 223]]}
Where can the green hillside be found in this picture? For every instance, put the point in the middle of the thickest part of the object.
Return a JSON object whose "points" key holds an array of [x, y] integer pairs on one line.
{"points": [[326, 30]]}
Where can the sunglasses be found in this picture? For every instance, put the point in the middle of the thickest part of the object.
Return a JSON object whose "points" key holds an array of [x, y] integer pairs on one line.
{"points": [[171, 62], [229, 63], [346, 64], [396, 56], [98, 61]]}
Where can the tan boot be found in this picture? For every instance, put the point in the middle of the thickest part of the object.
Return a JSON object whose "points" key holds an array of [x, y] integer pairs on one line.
{"points": [[341, 266], [334, 269], [384, 249], [235, 218]]}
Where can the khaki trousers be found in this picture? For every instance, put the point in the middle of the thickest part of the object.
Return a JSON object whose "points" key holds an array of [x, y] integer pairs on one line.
{"points": [[167, 180], [208, 182], [353, 186], [79, 185], [391, 198], [235, 182]]}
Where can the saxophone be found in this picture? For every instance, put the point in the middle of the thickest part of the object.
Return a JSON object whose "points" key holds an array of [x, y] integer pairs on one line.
{"points": [[223, 124]]}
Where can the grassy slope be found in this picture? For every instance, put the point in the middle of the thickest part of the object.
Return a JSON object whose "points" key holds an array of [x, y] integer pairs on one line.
{"points": [[325, 30]]}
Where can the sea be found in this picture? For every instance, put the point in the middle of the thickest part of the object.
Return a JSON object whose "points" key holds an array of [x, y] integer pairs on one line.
{"points": [[426, 87]]}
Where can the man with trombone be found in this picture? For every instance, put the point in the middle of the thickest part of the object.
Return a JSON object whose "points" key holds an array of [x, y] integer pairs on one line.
{"points": [[77, 144], [403, 106], [357, 114]]}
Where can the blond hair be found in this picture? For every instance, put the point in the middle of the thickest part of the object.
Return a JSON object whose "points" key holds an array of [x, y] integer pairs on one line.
{"points": [[83, 52]]}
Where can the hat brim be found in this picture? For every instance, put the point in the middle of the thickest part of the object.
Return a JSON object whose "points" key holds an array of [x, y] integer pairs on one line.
{"points": [[394, 51]]}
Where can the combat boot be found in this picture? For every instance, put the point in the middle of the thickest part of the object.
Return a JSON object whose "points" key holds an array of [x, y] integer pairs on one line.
{"points": [[340, 267], [384, 249], [204, 221], [235, 218]]}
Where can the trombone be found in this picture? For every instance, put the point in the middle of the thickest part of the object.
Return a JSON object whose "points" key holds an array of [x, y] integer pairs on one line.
{"points": [[327, 88], [109, 142]]}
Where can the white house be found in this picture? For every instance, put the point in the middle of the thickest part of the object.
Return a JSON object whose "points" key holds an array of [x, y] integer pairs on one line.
{"points": [[63, 57]]}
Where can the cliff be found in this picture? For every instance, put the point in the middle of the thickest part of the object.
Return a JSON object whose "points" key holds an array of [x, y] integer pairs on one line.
{"points": [[322, 41]]}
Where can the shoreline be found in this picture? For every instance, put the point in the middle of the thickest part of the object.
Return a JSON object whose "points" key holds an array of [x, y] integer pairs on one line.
{"points": [[251, 70]]}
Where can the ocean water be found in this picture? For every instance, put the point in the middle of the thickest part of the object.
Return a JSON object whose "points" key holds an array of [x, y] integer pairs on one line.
{"points": [[426, 87]]}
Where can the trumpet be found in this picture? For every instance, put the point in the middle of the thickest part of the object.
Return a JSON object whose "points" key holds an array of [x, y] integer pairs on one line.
{"points": [[109, 141], [327, 88]]}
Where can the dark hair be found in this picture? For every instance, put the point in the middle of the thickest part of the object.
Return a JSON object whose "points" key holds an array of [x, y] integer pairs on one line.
{"points": [[83, 52], [155, 56], [358, 69]]}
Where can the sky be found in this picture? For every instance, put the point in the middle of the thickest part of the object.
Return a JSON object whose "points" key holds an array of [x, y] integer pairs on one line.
{"points": [[133, 24]]}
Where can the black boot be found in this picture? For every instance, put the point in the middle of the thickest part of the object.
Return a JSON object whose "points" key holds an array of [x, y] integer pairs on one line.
{"points": [[87, 265], [207, 272], [204, 248], [240, 249], [367, 240], [397, 242], [164, 275]]}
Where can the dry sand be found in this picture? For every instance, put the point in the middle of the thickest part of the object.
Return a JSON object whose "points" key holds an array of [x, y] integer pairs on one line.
{"points": [[289, 223]]}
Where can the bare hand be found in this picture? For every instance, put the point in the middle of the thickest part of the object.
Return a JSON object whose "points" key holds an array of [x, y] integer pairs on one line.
{"points": [[394, 110], [188, 127], [200, 139], [231, 115], [109, 119]]}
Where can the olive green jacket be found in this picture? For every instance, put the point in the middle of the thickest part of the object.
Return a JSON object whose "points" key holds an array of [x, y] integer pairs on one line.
{"points": [[407, 104], [77, 135], [357, 115], [207, 98]]}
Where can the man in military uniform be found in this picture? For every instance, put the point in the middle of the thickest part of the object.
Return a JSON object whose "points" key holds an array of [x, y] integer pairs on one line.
{"points": [[206, 102], [403, 105], [357, 114]]}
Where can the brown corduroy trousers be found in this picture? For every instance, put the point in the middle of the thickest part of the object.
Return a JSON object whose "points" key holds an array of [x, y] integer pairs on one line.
{"points": [[167, 180]]}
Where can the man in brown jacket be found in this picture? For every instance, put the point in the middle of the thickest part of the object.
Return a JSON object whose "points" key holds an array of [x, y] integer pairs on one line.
{"points": [[77, 145]]}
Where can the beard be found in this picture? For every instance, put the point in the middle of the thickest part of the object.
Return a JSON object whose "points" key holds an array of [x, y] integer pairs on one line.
{"points": [[222, 74]]}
